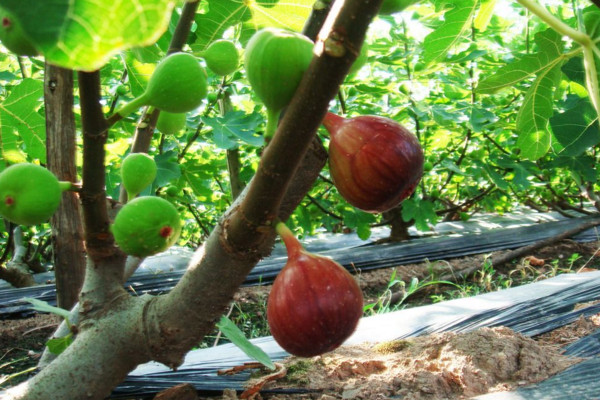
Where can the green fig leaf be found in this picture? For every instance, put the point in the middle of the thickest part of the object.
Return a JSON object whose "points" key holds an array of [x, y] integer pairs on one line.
{"points": [[233, 127], [533, 124], [576, 130], [223, 14], [457, 21], [84, 34], [549, 54], [22, 128]]}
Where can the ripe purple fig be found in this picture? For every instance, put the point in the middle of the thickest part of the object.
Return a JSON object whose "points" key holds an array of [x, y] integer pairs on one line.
{"points": [[374, 162], [314, 304]]}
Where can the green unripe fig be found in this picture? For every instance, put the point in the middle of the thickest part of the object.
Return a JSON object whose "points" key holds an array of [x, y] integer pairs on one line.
{"points": [[146, 225], [172, 190], [275, 61], [122, 90], [178, 85], [170, 123], [13, 37], [29, 194], [138, 170], [222, 57], [212, 97], [361, 60], [389, 7]]}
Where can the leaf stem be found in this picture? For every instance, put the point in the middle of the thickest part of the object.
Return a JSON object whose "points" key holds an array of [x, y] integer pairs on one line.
{"points": [[580, 37], [555, 23]]}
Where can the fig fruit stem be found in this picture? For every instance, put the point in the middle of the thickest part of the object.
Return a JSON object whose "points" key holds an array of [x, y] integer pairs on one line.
{"points": [[133, 105], [292, 244], [272, 122], [332, 122], [65, 186]]}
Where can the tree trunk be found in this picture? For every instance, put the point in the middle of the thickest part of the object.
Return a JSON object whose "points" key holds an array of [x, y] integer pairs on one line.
{"points": [[67, 230], [399, 228]]}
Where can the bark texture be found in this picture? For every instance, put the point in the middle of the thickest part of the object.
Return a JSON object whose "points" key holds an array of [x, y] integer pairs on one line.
{"points": [[67, 228], [117, 331]]}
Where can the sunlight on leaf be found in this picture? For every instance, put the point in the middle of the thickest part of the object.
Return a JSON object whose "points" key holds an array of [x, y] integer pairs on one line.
{"points": [[84, 34], [576, 130], [233, 333], [223, 14], [456, 22], [550, 44], [22, 128]]}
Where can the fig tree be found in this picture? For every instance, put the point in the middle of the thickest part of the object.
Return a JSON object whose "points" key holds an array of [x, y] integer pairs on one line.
{"points": [[177, 85], [13, 36], [389, 7], [222, 57], [138, 170], [29, 194], [170, 123], [314, 304], [146, 225], [374, 162], [275, 61]]}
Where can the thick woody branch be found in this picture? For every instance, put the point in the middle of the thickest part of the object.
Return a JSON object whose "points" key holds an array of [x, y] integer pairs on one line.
{"points": [[245, 234], [105, 261]]}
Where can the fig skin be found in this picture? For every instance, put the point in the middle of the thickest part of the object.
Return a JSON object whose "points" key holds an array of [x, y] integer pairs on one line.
{"points": [[146, 225], [221, 57], [314, 304], [171, 123], [13, 36], [29, 194], [275, 61], [177, 85], [138, 170], [374, 162]]}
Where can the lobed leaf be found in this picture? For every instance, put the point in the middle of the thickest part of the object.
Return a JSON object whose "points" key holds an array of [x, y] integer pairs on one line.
{"points": [[456, 21], [84, 34], [20, 123], [550, 53], [576, 130], [533, 125], [223, 14]]}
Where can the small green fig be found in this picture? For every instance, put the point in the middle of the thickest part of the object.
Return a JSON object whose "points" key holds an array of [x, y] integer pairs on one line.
{"points": [[138, 170], [172, 190], [13, 37], [146, 225], [170, 123], [177, 85], [222, 57], [361, 60], [29, 194], [122, 90], [389, 7], [275, 61]]}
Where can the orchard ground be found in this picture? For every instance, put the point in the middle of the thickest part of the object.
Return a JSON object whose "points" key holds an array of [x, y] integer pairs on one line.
{"points": [[367, 372]]}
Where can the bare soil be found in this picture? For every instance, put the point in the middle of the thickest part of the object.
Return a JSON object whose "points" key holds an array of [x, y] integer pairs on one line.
{"points": [[441, 366]]}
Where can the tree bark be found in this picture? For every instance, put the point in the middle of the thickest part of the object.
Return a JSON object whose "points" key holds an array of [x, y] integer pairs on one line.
{"points": [[67, 229], [129, 330]]}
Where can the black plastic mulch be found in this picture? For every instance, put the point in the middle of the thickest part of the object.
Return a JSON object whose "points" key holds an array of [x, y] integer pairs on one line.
{"points": [[354, 258]]}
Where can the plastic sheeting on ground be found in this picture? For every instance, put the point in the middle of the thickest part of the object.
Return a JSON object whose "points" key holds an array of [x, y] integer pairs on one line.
{"points": [[347, 250], [530, 309]]}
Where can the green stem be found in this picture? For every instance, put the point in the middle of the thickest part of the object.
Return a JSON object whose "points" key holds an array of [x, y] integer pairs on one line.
{"points": [[133, 105], [272, 121], [592, 77], [555, 23], [580, 37], [65, 186]]}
